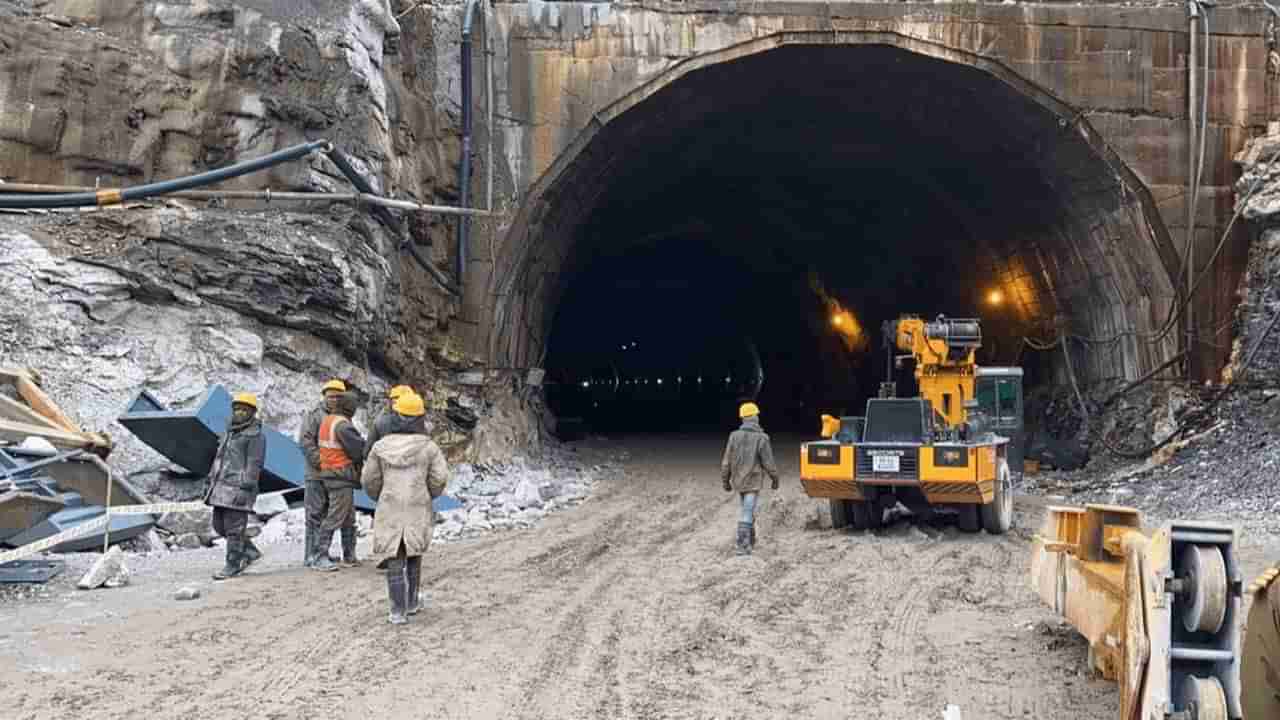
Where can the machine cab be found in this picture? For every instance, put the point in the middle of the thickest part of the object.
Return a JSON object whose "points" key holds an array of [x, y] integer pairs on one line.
{"points": [[998, 391]]}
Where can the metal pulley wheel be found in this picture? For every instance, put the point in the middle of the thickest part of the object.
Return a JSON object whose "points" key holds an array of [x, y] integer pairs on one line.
{"points": [[1202, 699], [1260, 661], [1204, 602]]}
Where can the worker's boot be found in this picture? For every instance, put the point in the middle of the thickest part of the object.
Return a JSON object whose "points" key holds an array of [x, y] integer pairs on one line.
{"points": [[397, 592], [413, 574], [322, 560], [251, 553], [349, 547], [744, 538], [308, 545], [235, 560]]}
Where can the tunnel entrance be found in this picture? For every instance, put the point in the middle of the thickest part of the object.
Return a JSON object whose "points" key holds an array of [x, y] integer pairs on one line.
{"points": [[768, 213]]}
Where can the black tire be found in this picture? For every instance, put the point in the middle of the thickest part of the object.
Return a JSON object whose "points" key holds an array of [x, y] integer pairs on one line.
{"points": [[997, 516], [839, 513], [968, 519], [866, 515]]}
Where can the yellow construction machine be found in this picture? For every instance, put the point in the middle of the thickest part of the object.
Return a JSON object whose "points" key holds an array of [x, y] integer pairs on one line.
{"points": [[1161, 610], [1260, 664], [957, 445]]}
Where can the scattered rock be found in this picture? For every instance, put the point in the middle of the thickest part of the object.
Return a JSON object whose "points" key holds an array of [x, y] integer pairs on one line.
{"points": [[527, 495], [109, 570], [183, 523], [270, 505], [189, 541], [187, 593]]}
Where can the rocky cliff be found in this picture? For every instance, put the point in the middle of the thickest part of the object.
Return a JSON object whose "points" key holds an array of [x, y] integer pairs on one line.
{"points": [[173, 295]]}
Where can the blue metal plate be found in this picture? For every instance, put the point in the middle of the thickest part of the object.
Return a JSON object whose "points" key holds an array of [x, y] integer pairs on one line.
{"points": [[190, 437]]}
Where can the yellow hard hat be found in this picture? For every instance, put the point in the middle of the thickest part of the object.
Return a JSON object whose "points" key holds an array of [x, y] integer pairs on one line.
{"points": [[830, 426], [245, 398], [748, 410], [409, 404], [398, 390], [334, 385]]}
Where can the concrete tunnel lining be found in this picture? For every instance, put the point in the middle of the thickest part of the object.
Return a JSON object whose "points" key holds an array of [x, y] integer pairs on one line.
{"points": [[1098, 253]]}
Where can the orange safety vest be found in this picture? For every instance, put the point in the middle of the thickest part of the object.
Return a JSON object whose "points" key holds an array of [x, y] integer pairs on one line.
{"points": [[332, 456]]}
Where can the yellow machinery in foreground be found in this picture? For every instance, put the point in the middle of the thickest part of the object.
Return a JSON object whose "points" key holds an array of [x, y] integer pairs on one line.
{"points": [[1159, 608], [956, 445], [1260, 666]]}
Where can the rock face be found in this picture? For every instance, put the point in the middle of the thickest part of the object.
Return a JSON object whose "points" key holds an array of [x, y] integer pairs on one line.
{"points": [[136, 90], [98, 337], [172, 296]]}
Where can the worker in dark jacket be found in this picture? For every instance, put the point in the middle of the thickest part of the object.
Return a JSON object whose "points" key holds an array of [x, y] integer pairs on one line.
{"points": [[382, 423], [341, 450], [233, 484], [315, 499], [748, 457]]}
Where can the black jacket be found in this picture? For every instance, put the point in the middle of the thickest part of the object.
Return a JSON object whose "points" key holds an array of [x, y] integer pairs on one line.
{"points": [[238, 468]]}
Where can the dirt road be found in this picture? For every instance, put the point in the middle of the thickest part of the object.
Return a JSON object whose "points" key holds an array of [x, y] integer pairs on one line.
{"points": [[630, 606]]}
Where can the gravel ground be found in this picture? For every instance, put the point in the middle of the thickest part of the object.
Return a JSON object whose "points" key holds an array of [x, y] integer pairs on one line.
{"points": [[630, 605]]}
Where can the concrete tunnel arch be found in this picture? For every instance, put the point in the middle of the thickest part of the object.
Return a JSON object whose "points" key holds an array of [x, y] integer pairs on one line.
{"points": [[1103, 262]]}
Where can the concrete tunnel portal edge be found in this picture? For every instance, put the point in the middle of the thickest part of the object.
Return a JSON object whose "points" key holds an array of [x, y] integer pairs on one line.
{"points": [[1084, 279]]}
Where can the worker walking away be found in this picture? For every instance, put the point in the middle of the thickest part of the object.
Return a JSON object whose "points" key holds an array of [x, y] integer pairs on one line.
{"points": [[233, 484], [315, 499], [748, 457], [378, 428], [405, 471], [341, 454]]}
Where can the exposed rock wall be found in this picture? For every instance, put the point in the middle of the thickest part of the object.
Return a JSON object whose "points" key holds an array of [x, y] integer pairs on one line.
{"points": [[173, 296]]}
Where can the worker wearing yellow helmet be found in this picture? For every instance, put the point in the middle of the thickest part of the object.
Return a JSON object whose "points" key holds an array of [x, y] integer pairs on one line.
{"points": [[341, 454], [748, 457], [380, 423], [233, 484], [314, 496], [405, 471]]}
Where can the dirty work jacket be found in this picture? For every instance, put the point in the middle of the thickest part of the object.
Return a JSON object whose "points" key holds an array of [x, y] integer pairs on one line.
{"points": [[748, 457], [404, 472], [379, 429], [309, 439], [237, 468]]}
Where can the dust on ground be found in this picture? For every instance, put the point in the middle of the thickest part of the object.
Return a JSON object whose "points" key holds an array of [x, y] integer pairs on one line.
{"points": [[630, 606]]}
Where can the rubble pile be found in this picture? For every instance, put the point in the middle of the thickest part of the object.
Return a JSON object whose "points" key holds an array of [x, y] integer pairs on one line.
{"points": [[515, 494], [1226, 464]]}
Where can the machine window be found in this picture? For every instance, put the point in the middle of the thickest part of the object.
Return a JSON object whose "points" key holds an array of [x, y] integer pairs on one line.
{"points": [[1007, 400]]}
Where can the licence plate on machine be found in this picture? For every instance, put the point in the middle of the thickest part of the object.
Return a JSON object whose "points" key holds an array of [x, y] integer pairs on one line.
{"points": [[884, 463]]}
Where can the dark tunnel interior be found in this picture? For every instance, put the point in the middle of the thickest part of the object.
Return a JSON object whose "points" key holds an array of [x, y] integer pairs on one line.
{"points": [[762, 197]]}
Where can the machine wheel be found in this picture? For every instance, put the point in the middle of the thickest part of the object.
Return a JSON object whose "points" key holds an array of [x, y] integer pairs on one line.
{"points": [[1259, 681], [1204, 606], [1202, 698], [866, 515], [997, 516], [968, 519], [839, 513]]}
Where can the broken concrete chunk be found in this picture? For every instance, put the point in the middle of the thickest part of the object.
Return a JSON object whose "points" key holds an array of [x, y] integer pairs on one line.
{"points": [[109, 570], [187, 593], [189, 541], [527, 495], [270, 505], [182, 523]]}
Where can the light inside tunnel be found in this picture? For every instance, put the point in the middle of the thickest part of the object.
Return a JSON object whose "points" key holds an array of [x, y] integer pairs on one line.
{"points": [[759, 220]]}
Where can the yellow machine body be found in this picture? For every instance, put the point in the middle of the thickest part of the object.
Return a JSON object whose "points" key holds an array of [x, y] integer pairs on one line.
{"points": [[1160, 608], [923, 450], [944, 374]]}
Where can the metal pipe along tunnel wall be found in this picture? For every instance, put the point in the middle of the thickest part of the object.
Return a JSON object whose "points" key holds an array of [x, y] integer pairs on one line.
{"points": [[1050, 138]]}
